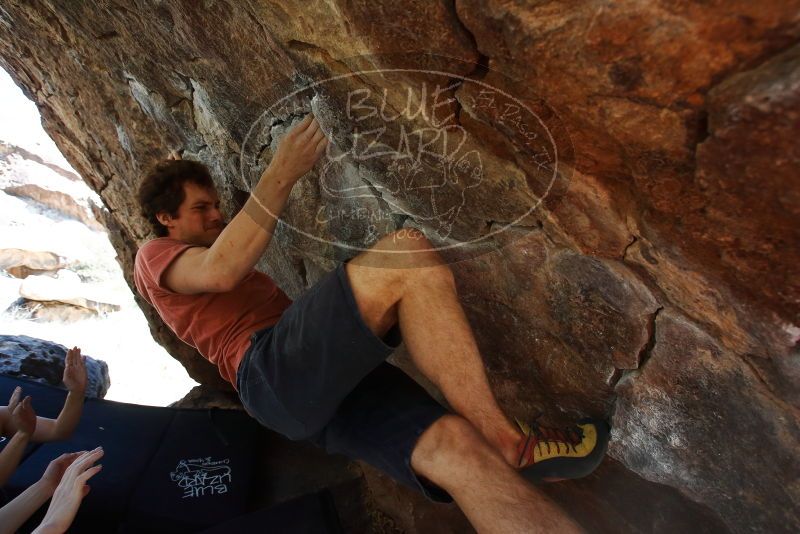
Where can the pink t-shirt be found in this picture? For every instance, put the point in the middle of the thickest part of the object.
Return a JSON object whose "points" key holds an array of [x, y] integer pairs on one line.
{"points": [[218, 325]]}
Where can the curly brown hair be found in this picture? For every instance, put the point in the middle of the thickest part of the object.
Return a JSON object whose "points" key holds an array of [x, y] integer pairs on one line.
{"points": [[161, 189]]}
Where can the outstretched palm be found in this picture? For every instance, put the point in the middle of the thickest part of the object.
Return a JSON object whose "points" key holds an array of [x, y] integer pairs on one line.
{"points": [[75, 371], [70, 491], [55, 470], [23, 416]]}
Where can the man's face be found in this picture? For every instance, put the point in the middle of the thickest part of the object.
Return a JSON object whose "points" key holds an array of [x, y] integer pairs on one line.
{"points": [[199, 220]]}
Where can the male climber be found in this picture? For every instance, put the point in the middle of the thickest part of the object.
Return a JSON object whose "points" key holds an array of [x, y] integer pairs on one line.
{"points": [[314, 368]]}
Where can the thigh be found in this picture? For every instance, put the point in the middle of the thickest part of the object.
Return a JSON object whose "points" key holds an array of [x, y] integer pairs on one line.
{"points": [[296, 375], [379, 276]]}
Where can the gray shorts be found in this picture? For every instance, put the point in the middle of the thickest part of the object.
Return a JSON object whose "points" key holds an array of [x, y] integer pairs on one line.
{"points": [[319, 374]]}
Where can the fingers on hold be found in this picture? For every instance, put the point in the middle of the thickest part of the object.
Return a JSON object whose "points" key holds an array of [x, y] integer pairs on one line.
{"points": [[319, 134], [306, 123], [311, 131]]}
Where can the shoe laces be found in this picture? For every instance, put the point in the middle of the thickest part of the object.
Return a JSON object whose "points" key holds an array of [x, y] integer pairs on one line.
{"points": [[547, 436]]}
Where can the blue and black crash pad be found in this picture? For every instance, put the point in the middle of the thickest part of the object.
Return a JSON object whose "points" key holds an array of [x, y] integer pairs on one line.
{"points": [[164, 469]]}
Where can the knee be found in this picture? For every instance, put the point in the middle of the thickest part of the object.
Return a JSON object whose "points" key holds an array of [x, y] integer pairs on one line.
{"points": [[413, 241], [424, 253], [451, 439], [408, 249], [409, 239]]}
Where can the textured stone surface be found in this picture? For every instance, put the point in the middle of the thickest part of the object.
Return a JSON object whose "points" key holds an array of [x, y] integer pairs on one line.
{"points": [[55, 200], [409, 511], [656, 97], [51, 311], [556, 328], [673, 128], [749, 215], [20, 263], [67, 287], [677, 423], [43, 361], [612, 499], [203, 396]]}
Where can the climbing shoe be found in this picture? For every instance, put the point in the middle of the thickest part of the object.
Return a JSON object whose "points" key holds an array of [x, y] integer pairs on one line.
{"points": [[550, 454]]}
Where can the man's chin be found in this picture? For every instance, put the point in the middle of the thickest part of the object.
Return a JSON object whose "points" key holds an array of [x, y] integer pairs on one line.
{"points": [[205, 240], [212, 235]]}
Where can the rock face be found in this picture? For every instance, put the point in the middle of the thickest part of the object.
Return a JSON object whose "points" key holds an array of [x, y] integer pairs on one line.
{"points": [[56, 200], [670, 407], [21, 263], [614, 184], [27, 176], [43, 361], [207, 397], [65, 287], [50, 311]]}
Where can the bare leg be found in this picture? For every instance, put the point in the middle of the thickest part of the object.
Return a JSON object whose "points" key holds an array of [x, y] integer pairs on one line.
{"points": [[434, 327], [493, 496]]}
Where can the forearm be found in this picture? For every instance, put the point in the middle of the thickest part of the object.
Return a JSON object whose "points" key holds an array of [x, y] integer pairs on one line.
{"points": [[47, 528], [70, 415], [15, 513], [11, 455], [243, 241]]}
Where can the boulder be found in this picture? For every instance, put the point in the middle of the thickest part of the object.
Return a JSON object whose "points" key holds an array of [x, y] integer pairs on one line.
{"points": [[50, 311], [43, 361], [66, 287], [60, 202], [203, 396], [21, 263], [696, 413], [620, 216]]}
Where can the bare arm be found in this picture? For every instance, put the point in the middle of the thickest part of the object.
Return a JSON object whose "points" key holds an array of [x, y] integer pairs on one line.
{"points": [[61, 428], [75, 379], [237, 249], [24, 421], [64, 426], [70, 492], [16, 512], [240, 245], [11, 455]]}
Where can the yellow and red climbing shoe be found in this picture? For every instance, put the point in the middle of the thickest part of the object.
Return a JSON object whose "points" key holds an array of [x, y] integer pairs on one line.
{"points": [[549, 454]]}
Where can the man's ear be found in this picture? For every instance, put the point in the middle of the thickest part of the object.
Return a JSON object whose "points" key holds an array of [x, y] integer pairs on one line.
{"points": [[164, 218]]}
